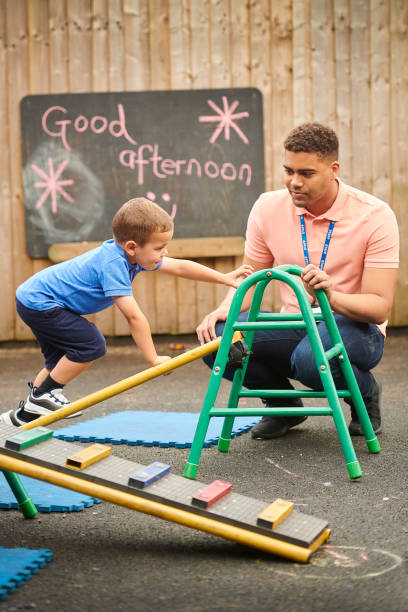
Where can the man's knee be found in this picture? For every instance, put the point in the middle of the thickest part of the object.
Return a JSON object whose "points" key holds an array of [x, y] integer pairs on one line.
{"points": [[209, 359], [303, 365]]}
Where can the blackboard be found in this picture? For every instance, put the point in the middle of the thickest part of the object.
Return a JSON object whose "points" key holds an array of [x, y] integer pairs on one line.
{"points": [[199, 154]]}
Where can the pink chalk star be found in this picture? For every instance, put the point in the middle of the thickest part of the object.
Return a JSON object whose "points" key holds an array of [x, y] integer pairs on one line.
{"points": [[225, 117], [52, 185]]}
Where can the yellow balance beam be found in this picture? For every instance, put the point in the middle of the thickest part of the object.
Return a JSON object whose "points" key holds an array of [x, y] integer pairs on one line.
{"points": [[128, 383], [176, 515]]}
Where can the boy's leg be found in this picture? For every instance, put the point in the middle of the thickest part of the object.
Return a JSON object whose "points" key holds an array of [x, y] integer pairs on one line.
{"points": [[41, 376], [364, 344], [69, 343], [47, 395], [66, 370], [46, 392], [269, 368], [63, 372]]}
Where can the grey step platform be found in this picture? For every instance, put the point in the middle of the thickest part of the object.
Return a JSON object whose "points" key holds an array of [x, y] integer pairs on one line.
{"points": [[172, 490]]}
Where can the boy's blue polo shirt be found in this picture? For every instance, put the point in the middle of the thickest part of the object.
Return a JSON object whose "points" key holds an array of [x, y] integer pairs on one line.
{"points": [[84, 284]]}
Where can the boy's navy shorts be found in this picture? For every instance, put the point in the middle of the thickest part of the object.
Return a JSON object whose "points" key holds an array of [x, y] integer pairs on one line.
{"points": [[62, 332]]}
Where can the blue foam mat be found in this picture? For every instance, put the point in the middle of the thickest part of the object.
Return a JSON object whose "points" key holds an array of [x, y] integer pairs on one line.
{"points": [[46, 497], [18, 565], [150, 429]]}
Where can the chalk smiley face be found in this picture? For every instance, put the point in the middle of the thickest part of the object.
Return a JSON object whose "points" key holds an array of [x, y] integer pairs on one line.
{"points": [[166, 198]]}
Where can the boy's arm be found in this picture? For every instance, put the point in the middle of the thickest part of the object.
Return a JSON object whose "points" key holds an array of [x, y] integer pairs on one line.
{"points": [[195, 271], [139, 328], [206, 329]]}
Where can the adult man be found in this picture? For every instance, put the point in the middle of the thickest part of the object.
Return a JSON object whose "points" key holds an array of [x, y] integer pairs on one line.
{"points": [[347, 243]]}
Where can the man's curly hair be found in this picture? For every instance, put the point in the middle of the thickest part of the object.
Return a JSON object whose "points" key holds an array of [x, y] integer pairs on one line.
{"points": [[313, 138]]}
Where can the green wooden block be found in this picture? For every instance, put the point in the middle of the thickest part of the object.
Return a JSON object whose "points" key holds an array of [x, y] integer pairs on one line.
{"points": [[24, 439]]}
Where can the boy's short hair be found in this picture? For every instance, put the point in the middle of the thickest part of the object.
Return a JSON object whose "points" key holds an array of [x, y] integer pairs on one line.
{"points": [[313, 138], [138, 219]]}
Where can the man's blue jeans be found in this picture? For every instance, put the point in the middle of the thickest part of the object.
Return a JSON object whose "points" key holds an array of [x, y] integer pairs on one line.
{"points": [[283, 354]]}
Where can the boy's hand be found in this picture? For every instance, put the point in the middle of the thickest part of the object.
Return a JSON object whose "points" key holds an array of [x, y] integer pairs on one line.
{"points": [[161, 359], [235, 278]]}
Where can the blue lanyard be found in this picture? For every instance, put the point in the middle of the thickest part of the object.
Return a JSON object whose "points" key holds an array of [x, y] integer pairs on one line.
{"points": [[326, 242]]}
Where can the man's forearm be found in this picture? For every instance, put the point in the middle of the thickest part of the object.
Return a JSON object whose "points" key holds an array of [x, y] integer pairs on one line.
{"points": [[366, 308]]}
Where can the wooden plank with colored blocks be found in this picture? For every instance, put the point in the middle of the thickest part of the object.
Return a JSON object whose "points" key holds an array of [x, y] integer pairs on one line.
{"points": [[211, 494], [275, 513], [87, 456], [234, 517]]}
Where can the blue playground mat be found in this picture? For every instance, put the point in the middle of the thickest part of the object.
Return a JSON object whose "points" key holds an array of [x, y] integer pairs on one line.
{"points": [[149, 429], [46, 497], [18, 565]]}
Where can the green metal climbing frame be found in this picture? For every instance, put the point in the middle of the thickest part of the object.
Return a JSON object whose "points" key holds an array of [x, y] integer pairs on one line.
{"points": [[257, 321]]}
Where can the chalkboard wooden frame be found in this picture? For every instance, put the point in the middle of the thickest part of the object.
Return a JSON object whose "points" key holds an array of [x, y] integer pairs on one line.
{"points": [[228, 246], [197, 153]]}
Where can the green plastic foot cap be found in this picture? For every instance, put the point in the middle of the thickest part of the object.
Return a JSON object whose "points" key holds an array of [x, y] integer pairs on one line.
{"points": [[28, 509], [354, 469], [224, 444], [373, 445], [190, 470]]}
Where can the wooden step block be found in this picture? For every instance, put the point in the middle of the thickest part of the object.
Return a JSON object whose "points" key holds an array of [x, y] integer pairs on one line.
{"points": [[88, 456], [24, 439], [275, 513], [208, 496], [149, 474]]}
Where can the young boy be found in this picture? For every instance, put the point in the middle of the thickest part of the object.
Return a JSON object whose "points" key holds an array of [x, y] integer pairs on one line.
{"points": [[52, 301]]}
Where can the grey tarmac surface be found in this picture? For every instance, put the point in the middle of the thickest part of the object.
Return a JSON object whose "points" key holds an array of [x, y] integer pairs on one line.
{"points": [[107, 558]]}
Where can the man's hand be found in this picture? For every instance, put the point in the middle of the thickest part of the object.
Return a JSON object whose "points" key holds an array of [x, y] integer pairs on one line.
{"points": [[315, 278], [206, 329]]}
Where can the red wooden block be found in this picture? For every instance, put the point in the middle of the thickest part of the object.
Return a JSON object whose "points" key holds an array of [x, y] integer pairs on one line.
{"points": [[208, 496]]}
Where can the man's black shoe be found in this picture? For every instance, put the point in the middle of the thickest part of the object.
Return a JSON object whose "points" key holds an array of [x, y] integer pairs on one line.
{"points": [[372, 405], [270, 427]]}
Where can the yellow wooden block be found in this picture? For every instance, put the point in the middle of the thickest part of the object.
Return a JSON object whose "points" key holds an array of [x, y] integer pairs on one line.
{"points": [[87, 456], [275, 513]]}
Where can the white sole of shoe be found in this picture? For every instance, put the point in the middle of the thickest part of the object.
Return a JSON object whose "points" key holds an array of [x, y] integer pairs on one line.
{"points": [[6, 418], [40, 410]]}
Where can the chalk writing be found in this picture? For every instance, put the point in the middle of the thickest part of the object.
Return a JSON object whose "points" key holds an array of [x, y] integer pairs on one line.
{"points": [[79, 214], [166, 198], [163, 167], [225, 118], [282, 468], [334, 562], [81, 124], [52, 184]]}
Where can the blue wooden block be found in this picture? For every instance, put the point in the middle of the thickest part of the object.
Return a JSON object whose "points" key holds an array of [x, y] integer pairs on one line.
{"points": [[149, 474]]}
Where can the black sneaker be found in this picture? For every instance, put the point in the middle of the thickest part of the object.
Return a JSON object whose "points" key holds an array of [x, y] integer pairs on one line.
{"points": [[372, 405], [270, 427]]}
